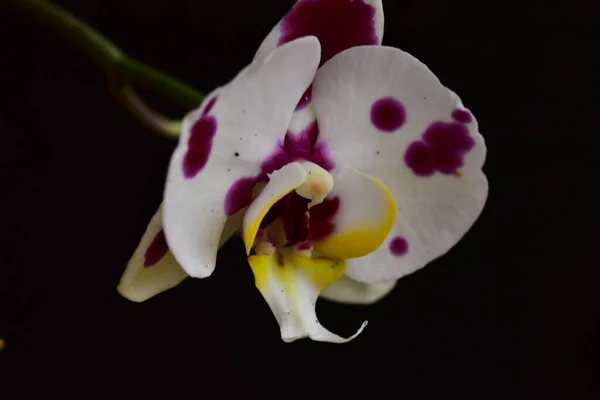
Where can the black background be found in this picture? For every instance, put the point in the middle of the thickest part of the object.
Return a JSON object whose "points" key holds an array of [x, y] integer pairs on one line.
{"points": [[511, 312]]}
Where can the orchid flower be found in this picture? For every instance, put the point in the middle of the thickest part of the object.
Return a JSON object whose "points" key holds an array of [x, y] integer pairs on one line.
{"points": [[341, 162]]}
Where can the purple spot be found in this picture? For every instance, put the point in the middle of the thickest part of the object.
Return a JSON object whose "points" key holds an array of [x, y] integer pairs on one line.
{"points": [[239, 195], [278, 158], [449, 136], [447, 162], [321, 219], [301, 144], [399, 246], [388, 114], [305, 246], [338, 24], [419, 158], [443, 149], [209, 106], [156, 251], [462, 116], [295, 147], [305, 99], [199, 146]]}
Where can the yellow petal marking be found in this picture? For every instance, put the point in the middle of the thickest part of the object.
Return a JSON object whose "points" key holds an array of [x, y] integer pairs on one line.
{"points": [[365, 237], [290, 284], [281, 182]]}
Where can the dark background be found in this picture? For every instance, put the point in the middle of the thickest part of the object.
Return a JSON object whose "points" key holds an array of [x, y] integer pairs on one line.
{"points": [[511, 312]]}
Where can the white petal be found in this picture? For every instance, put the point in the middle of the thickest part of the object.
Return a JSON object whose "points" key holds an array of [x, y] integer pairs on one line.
{"points": [[383, 112], [338, 24], [290, 285], [141, 281], [230, 142], [152, 270], [364, 218], [349, 291]]}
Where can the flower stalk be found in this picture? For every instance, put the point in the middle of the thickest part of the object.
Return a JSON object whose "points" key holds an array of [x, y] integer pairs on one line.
{"points": [[109, 58]]}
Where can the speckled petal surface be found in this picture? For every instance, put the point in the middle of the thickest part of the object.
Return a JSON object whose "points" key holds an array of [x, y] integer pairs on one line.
{"points": [[228, 138], [385, 113]]}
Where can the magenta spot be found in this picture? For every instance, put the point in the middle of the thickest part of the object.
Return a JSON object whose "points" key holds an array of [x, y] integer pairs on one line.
{"points": [[239, 195], [321, 219], [449, 136], [305, 99], [338, 24], [278, 158], [419, 158], [443, 149], [462, 116], [388, 114], [399, 246], [209, 106], [199, 146], [301, 144], [156, 251], [295, 147], [305, 246], [447, 162]]}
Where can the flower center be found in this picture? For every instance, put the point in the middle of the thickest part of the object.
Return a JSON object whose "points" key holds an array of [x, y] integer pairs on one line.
{"points": [[288, 221]]}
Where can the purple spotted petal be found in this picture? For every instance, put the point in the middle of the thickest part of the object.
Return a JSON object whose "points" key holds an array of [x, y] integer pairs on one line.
{"points": [[462, 116], [338, 24], [388, 114], [399, 246], [431, 164], [419, 158], [157, 249], [449, 136], [301, 144], [252, 112], [199, 146], [239, 195]]}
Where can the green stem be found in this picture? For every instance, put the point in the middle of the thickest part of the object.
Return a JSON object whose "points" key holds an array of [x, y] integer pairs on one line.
{"points": [[106, 55], [127, 96]]}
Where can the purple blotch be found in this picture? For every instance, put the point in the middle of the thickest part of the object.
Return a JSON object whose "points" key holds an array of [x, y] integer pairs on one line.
{"points": [[419, 158], [462, 116], [156, 251], [209, 106], [388, 114], [239, 195], [305, 246], [301, 146], [447, 162], [295, 147], [321, 219], [305, 99], [338, 24], [442, 149], [199, 146], [449, 136], [399, 246]]}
